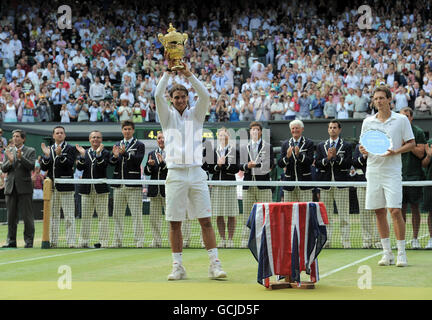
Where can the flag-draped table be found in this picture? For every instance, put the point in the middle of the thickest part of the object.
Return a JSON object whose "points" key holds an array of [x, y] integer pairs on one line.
{"points": [[286, 239]]}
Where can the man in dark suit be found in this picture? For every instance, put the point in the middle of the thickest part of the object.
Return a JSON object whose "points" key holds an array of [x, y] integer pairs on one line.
{"points": [[19, 162], [58, 160], [333, 161], [157, 169], [93, 162], [367, 217], [259, 164], [297, 155], [126, 157]]}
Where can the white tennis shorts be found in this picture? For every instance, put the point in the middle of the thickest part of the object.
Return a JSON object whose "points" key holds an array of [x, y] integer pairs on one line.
{"points": [[187, 194], [383, 191]]}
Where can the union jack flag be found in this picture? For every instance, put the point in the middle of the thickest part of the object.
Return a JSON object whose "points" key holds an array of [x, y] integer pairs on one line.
{"points": [[286, 238]]}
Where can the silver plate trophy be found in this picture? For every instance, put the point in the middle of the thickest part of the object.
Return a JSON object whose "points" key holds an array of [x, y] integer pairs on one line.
{"points": [[376, 142]]}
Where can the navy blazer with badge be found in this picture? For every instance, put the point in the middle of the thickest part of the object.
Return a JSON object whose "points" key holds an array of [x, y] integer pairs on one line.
{"points": [[265, 154], [339, 166], [297, 168], [60, 166], [158, 171], [93, 167], [128, 165], [228, 170], [359, 163]]}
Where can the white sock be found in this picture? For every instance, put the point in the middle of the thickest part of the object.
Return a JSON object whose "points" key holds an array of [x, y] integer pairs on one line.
{"points": [[213, 254], [177, 257], [386, 245], [400, 246]]}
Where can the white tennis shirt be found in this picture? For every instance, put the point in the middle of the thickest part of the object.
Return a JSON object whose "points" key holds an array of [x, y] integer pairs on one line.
{"points": [[398, 127], [182, 132]]}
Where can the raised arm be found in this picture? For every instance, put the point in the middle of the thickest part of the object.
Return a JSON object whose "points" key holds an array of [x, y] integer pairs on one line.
{"points": [[162, 106]]}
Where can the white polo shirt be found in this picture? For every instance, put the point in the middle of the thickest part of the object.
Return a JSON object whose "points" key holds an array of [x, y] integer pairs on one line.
{"points": [[182, 132], [398, 127]]}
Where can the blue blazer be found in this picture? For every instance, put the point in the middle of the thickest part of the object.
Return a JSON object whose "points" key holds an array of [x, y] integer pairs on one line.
{"points": [[297, 168], [339, 166], [128, 165]]}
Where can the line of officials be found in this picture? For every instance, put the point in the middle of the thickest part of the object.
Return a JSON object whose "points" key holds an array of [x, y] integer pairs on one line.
{"points": [[331, 160]]}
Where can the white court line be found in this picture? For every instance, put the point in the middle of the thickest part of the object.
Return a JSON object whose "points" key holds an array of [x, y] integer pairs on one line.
{"points": [[349, 265], [358, 261], [47, 257]]}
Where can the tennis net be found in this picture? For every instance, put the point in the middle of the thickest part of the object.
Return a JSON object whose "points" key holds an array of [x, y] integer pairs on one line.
{"points": [[127, 217]]}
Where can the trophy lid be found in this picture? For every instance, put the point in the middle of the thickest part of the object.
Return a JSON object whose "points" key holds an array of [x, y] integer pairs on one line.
{"points": [[173, 35]]}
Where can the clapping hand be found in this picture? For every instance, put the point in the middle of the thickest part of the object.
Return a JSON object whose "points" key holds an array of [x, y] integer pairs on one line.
{"points": [[80, 149], [251, 164], [160, 157], [58, 150], [116, 151], [19, 154], [9, 155], [428, 150], [296, 150], [45, 149], [99, 149], [151, 161], [221, 161], [331, 153], [363, 151], [289, 152]]}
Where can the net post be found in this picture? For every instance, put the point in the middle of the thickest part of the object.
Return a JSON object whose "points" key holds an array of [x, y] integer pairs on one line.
{"points": [[47, 193]]}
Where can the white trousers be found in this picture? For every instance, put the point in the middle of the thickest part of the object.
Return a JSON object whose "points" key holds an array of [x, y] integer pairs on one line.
{"points": [[63, 200], [90, 203]]}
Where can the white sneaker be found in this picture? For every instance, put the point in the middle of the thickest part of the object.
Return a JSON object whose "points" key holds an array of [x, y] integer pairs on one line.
{"points": [[215, 271], [429, 244], [415, 244], [346, 244], [178, 272], [186, 243], [387, 259], [402, 260]]}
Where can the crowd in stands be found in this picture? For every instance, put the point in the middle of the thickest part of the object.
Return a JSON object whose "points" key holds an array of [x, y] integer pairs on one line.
{"points": [[259, 60]]}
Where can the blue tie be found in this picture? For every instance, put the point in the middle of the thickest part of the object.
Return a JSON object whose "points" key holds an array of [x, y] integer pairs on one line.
{"points": [[332, 145]]}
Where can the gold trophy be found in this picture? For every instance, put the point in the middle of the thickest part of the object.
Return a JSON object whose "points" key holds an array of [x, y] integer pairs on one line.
{"points": [[173, 43]]}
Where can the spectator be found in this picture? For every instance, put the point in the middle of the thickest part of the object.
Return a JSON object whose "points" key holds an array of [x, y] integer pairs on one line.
{"points": [[95, 112], [82, 110], [64, 114], [59, 97], [97, 90], [304, 103], [43, 109], [277, 109], [137, 113], [124, 111], [423, 105], [342, 109], [10, 110], [222, 111], [360, 105]]}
